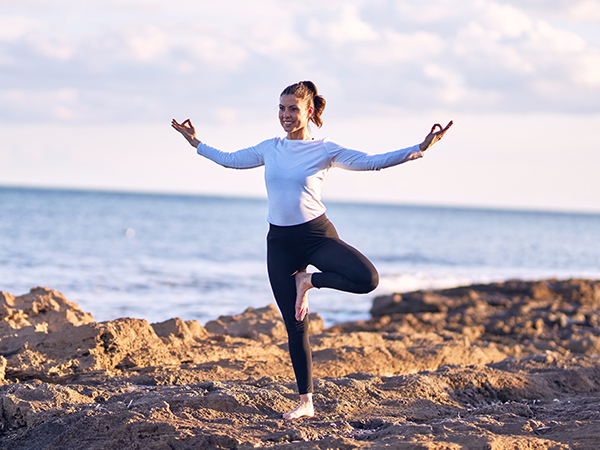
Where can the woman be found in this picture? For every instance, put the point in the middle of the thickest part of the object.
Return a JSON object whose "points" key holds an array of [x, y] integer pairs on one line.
{"points": [[300, 234]]}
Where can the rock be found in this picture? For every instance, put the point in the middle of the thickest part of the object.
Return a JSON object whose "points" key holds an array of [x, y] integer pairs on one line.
{"points": [[589, 345], [44, 309], [197, 330], [29, 405], [263, 324], [28, 317], [96, 346], [547, 313], [315, 324], [178, 329], [413, 302]]}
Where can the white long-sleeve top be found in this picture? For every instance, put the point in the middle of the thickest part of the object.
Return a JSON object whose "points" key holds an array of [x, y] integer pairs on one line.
{"points": [[295, 171]]}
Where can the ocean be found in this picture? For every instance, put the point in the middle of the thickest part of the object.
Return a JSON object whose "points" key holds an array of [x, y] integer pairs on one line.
{"points": [[158, 256]]}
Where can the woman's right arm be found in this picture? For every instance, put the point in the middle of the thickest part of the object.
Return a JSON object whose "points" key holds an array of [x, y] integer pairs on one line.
{"points": [[242, 159]]}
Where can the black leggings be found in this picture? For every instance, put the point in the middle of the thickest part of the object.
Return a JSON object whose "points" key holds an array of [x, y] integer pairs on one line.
{"points": [[290, 250]]}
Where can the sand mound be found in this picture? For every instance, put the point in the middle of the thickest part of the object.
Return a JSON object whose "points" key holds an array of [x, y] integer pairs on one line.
{"points": [[44, 309], [40, 311], [263, 324], [505, 365]]}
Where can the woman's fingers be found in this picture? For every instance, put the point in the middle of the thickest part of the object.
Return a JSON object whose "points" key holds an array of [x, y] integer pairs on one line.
{"points": [[443, 131], [434, 127], [188, 124], [186, 128], [436, 133], [185, 124], [177, 125]]}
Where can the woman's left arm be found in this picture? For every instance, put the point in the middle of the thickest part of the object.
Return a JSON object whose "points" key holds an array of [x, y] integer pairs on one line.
{"points": [[356, 160]]}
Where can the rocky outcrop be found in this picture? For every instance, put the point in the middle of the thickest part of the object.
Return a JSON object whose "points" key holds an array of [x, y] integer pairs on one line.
{"points": [[263, 324], [550, 314], [505, 365], [43, 309]]}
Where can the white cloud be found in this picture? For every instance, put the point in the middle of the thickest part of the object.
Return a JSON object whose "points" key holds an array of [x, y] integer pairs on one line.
{"points": [[148, 43], [58, 104], [546, 38], [275, 39], [471, 55], [53, 47], [348, 27], [219, 54], [507, 21], [395, 48], [430, 12], [452, 83], [77, 105], [579, 10], [585, 10], [587, 70], [482, 44], [15, 27]]}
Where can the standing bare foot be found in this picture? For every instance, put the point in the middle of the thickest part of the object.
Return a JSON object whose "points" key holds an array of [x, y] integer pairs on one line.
{"points": [[304, 409], [303, 284]]}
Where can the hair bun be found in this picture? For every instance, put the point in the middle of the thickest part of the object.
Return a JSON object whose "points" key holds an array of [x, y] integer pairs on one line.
{"points": [[311, 86]]}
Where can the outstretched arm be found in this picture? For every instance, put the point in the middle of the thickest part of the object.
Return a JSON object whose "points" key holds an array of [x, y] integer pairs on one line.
{"points": [[187, 130], [246, 158], [357, 160], [434, 136]]}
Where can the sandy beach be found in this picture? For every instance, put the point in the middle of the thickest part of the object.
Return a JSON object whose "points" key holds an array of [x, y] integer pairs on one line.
{"points": [[497, 366]]}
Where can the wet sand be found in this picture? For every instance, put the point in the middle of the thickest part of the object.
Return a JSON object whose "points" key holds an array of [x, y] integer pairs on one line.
{"points": [[504, 365]]}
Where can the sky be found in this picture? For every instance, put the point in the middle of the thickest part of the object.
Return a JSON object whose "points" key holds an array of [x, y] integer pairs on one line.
{"points": [[88, 90]]}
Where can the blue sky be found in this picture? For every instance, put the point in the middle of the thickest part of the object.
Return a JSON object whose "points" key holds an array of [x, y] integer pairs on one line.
{"points": [[87, 91]]}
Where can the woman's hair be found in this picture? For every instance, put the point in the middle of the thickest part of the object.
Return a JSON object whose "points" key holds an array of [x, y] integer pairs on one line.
{"points": [[306, 90]]}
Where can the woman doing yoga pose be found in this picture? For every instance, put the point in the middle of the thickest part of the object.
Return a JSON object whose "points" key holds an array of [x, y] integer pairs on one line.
{"points": [[300, 233]]}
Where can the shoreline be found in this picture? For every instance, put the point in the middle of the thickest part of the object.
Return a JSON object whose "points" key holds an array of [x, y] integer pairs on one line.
{"points": [[502, 364]]}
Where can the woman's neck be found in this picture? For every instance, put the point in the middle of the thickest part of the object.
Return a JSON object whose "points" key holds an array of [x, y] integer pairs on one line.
{"points": [[299, 135]]}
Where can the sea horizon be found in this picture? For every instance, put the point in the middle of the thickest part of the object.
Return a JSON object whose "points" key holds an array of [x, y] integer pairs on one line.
{"points": [[327, 200]]}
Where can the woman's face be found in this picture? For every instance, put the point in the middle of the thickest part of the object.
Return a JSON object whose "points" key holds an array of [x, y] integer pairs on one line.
{"points": [[294, 115]]}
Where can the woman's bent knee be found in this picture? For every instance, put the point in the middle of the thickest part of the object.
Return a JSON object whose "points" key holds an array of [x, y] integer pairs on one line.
{"points": [[369, 283]]}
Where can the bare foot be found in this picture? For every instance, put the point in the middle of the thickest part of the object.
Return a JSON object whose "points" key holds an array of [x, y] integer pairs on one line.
{"points": [[304, 409], [303, 284]]}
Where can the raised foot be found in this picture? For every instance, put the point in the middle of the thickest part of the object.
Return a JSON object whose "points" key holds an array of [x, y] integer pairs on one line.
{"points": [[303, 284]]}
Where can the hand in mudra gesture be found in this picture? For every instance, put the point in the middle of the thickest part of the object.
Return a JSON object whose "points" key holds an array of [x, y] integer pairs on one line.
{"points": [[187, 130], [434, 135]]}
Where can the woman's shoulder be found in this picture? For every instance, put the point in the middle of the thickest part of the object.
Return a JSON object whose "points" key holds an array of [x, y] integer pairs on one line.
{"points": [[268, 143], [332, 146]]}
